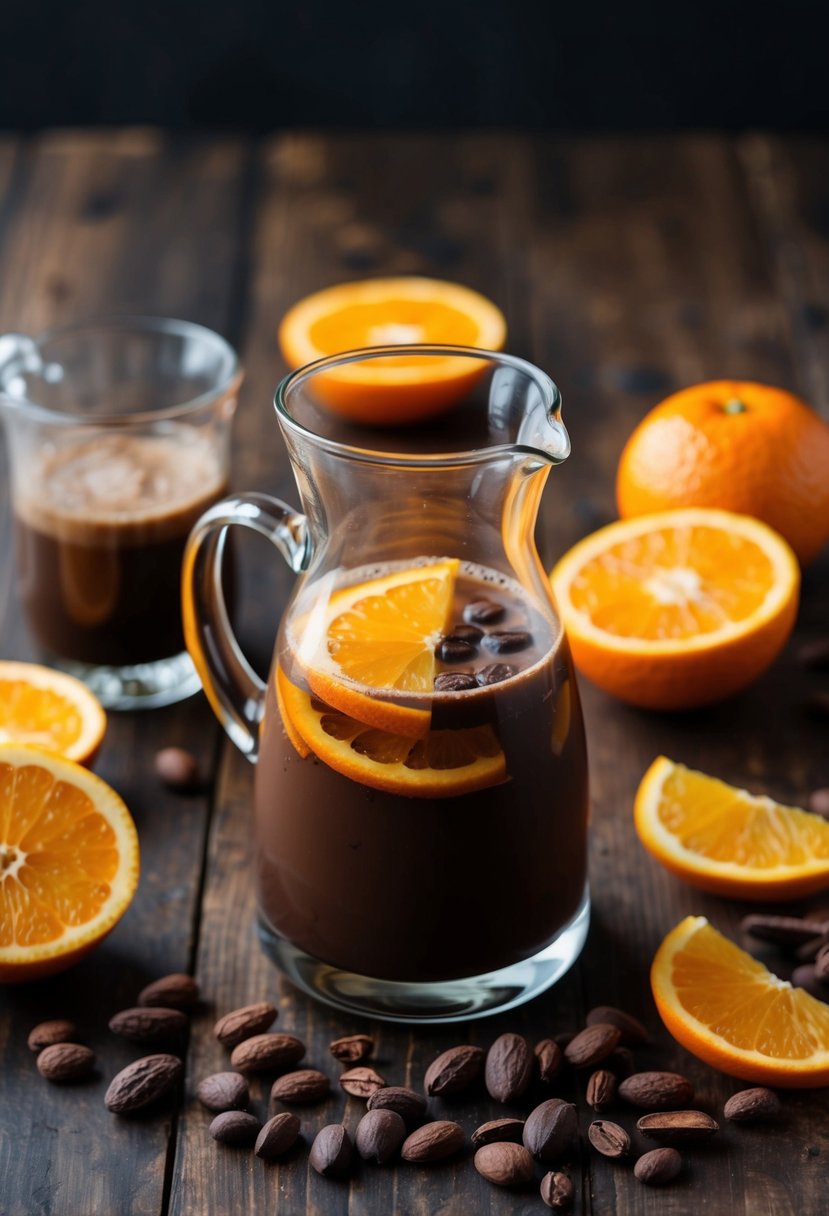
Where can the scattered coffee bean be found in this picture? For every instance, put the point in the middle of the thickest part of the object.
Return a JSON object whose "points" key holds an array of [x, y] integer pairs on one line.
{"points": [[497, 1131], [433, 1142], [454, 650], [143, 1083], [678, 1126], [352, 1048], [509, 1067], [550, 1059], [494, 674], [331, 1151], [235, 1128], [751, 1105], [65, 1062], [601, 1090], [277, 1137], [658, 1167], [551, 1130], [361, 1082], [819, 802], [507, 641], [380, 1133], [608, 1138], [409, 1105], [469, 633], [453, 1071], [223, 1091], [817, 703], [592, 1045], [46, 1034], [148, 1024], [788, 931], [244, 1023], [805, 977], [267, 1053], [822, 965], [814, 654], [633, 1032], [483, 612], [301, 1088], [177, 991], [178, 769], [656, 1090], [455, 681], [504, 1164], [557, 1190]]}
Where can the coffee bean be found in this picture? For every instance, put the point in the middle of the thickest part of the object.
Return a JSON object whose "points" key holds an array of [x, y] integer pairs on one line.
{"points": [[454, 681], [361, 1082], [804, 977], [819, 802], [409, 1105], [752, 1104], [494, 674], [223, 1091], [557, 1190], [601, 1090], [453, 1071], [609, 1139], [633, 1032], [331, 1151], [551, 1130], [469, 633], [277, 1136], [509, 1067], [351, 1048], [497, 1131], [814, 654], [507, 641], [454, 650], [504, 1164], [379, 1135], [483, 612], [178, 769], [658, 1167], [235, 1128], [678, 1126]]}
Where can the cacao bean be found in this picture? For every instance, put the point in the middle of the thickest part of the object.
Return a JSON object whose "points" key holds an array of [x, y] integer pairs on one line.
{"points": [[244, 1023], [504, 1164], [278, 1136], [453, 1071]]}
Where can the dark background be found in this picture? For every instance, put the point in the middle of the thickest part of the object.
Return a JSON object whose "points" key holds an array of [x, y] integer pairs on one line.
{"points": [[539, 64]]}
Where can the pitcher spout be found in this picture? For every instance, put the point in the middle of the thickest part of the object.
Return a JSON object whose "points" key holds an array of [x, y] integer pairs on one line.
{"points": [[525, 410]]}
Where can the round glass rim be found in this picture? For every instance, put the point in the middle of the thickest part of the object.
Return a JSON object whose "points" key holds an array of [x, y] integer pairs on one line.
{"points": [[295, 379], [230, 371]]}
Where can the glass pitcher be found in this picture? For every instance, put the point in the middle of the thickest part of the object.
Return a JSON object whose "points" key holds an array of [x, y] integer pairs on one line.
{"points": [[420, 794]]}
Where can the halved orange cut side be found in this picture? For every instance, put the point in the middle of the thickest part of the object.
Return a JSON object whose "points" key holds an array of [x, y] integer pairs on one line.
{"points": [[376, 640], [444, 764], [729, 1010], [723, 839], [391, 312], [68, 862], [50, 710]]}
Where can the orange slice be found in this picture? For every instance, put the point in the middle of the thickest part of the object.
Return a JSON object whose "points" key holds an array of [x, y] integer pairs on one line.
{"points": [[679, 609], [49, 709], [726, 1008], [391, 312], [725, 840], [68, 862], [379, 637], [443, 765]]}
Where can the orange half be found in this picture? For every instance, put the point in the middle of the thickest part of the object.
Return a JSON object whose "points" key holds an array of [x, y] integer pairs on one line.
{"points": [[68, 862], [729, 1010], [50, 710]]}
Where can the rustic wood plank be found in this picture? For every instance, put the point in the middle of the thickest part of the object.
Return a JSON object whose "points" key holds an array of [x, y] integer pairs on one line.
{"points": [[114, 222]]}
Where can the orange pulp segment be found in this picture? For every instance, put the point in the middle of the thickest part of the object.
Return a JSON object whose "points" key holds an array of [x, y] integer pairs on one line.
{"points": [[68, 861], [442, 765], [729, 1010], [379, 637], [677, 609], [725, 840], [50, 710]]}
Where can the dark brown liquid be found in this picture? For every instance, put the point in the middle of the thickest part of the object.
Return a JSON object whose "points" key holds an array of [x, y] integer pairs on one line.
{"points": [[100, 529], [413, 889]]}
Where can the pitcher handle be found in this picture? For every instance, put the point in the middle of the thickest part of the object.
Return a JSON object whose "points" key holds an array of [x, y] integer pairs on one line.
{"points": [[234, 690]]}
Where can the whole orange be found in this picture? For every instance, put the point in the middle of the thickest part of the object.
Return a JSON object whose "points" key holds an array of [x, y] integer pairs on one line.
{"points": [[737, 445]]}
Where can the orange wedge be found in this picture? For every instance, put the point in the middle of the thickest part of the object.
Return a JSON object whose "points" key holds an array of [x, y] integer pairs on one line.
{"points": [[378, 638], [49, 709], [725, 840], [678, 609], [444, 764], [392, 312], [68, 862], [727, 1009]]}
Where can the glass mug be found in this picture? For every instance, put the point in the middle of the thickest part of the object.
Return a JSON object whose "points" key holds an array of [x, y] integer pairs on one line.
{"points": [[118, 435], [420, 834]]}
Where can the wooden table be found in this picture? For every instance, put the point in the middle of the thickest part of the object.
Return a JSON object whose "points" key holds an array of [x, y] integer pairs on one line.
{"points": [[627, 268]]}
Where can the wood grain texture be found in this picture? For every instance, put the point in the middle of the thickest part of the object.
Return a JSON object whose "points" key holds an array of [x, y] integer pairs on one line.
{"points": [[627, 267]]}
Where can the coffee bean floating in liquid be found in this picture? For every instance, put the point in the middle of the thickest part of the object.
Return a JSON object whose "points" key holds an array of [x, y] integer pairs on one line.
{"points": [[495, 673], [451, 649], [505, 641], [469, 633], [454, 681], [483, 612]]}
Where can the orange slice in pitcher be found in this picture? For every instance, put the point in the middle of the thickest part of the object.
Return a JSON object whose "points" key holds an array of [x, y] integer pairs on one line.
{"points": [[444, 764], [50, 710], [68, 862], [379, 637]]}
